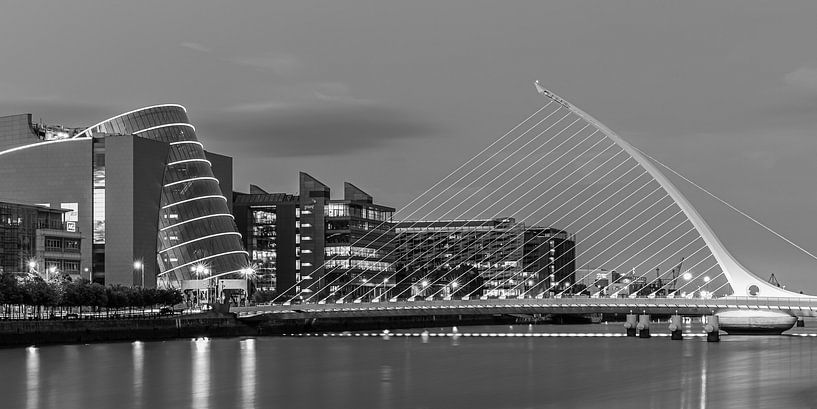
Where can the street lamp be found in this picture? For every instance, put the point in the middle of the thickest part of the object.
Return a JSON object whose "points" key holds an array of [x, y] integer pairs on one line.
{"points": [[137, 265], [706, 279], [52, 270], [687, 276]]}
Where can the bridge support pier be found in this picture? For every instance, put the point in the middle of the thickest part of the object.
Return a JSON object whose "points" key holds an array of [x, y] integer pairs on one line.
{"points": [[712, 329], [643, 326], [630, 324], [801, 322], [675, 327]]}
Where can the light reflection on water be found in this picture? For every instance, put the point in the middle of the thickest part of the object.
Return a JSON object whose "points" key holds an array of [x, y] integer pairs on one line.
{"points": [[417, 372]]}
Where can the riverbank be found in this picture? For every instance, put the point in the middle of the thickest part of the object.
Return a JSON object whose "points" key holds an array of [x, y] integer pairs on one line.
{"points": [[82, 331], [44, 332]]}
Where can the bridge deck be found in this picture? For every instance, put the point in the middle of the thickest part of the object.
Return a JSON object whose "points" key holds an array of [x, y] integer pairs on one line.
{"points": [[683, 306]]}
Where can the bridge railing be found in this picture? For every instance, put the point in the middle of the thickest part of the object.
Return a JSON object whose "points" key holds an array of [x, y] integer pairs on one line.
{"points": [[635, 304]]}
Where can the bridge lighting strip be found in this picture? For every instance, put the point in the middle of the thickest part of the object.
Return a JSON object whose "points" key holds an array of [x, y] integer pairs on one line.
{"points": [[194, 199], [229, 233], [196, 219], [167, 126], [226, 253], [127, 113], [547, 190], [178, 162], [486, 197], [625, 224], [460, 178], [488, 334], [563, 204], [190, 180]]}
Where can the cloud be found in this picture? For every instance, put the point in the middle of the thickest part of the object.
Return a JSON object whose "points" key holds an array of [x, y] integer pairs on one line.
{"points": [[196, 47], [56, 111], [321, 128], [282, 64], [258, 106], [804, 77]]}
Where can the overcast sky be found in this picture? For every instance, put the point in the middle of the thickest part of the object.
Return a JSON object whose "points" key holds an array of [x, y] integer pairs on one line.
{"points": [[393, 95]]}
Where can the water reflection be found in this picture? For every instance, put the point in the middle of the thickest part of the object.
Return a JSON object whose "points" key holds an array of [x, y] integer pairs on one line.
{"points": [[417, 371], [138, 372], [248, 377], [201, 374], [32, 377]]}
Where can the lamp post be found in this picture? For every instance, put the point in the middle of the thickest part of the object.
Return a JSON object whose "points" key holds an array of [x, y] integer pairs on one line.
{"points": [[138, 266]]}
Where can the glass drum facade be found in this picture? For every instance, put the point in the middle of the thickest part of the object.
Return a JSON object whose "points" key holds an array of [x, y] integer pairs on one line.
{"points": [[197, 234]]}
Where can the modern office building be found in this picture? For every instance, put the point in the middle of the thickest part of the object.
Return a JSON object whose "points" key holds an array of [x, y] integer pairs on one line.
{"points": [[549, 260], [316, 246], [148, 201], [39, 239], [481, 258], [269, 224]]}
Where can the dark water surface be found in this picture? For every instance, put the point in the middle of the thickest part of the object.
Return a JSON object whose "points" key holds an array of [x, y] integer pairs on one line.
{"points": [[419, 372]]}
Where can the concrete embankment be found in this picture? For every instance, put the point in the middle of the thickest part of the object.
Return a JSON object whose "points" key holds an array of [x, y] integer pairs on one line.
{"points": [[41, 332]]}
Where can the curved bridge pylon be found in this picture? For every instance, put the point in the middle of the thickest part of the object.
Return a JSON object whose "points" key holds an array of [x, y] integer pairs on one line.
{"points": [[743, 282]]}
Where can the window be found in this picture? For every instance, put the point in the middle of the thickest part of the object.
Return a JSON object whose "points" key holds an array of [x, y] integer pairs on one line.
{"points": [[72, 245], [53, 243], [336, 210]]}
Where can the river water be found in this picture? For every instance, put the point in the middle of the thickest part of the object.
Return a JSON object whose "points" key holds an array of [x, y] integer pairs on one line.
{"points": [[469, 367]]}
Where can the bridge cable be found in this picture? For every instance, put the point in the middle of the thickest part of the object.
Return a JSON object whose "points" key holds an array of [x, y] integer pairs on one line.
{"points": [[744, 214], [467, 186]]}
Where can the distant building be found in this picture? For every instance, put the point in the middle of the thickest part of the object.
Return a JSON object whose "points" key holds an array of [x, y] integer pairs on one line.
{"points": [[310, 245], [489, 257], [39, 239]]}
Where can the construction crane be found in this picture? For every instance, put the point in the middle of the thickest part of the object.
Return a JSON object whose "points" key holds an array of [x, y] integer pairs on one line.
{"points": [[674, 273]]}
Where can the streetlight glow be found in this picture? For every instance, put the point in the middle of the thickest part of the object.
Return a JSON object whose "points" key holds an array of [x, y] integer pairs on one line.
{"points": [[687, 276], [706, 279], [137, 264], [424, 283]]}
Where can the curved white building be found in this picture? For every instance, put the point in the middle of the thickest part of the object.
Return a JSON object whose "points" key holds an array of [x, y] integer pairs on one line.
{"points": [[147, 197]]}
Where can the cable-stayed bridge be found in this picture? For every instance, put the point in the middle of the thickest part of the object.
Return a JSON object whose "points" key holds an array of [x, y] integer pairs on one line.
{"points": [[559, 170]]}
